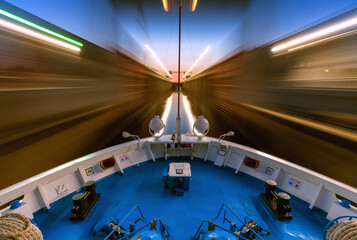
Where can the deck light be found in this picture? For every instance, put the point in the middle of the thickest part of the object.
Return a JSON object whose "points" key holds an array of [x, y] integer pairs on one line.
{"points": [[201, 127], [136, 137], [228, 134], [126, 134], [37, 35], [156, 127]]}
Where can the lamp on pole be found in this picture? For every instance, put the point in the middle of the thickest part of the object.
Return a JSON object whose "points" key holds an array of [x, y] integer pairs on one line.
{"points": [[178, 118]]}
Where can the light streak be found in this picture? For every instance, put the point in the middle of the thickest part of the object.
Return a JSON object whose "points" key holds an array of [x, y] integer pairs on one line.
{"points": [[37, 35], [38, 27], [167, 109], [166, 5], [316, 34], [153, 54], [194, 5], [188, 111], [198, 59], [322, 40]]}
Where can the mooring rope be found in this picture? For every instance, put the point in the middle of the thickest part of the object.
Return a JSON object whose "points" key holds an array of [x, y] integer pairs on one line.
{"points": [[17, 226], [343, 231]]}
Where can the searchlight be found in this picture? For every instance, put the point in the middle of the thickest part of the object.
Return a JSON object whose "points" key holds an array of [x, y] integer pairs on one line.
{"points": [[156, 127], [201, 127]]}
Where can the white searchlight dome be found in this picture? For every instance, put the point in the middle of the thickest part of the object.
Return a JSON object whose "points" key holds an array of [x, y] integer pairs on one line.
{"points": [[201, 127], [156, 127]]}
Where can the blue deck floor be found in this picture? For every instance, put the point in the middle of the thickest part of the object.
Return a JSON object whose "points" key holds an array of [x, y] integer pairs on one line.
{"points": [[210, 187]]}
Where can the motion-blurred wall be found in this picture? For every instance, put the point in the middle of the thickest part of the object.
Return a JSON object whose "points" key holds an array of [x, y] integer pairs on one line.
{"points": [[268, 21], [298, 105], [57, 105]]}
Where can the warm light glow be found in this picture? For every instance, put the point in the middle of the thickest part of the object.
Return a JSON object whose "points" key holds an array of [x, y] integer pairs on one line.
{"points": [[317, 34], [188, 111], [167, 109], [199, 59], [153, 54], [37, 35], [322, 40], [9, 15], [166, 5], [194, 4]]}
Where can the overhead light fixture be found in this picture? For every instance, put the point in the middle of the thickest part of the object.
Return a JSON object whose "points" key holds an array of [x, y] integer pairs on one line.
{"points": [[194, 5], [166, 5], [315, 35], [37, 35], [153, 54], [38, 27], [208, 48]]}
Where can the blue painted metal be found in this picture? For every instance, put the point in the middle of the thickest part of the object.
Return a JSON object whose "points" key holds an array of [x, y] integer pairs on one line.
{"points": [[209, 185], [165, 175], [131, 227], [141, 217], [179, 184], [222, 233], [34, 223], [15, 204], [104, 227], [245, 231], [264, 229], [148, 235], [336, 220], [159, 232], [113, 229], [345, 203], [178, 177]]}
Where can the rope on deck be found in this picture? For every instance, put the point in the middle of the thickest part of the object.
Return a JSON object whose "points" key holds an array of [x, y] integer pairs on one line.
{"points": [[17, 226], [343, 231]]}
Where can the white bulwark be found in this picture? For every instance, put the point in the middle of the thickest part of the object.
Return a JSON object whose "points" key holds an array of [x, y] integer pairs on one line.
{"points": [[42, 190]]}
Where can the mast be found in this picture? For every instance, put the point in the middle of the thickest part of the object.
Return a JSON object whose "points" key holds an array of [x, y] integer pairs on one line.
{"points": [[178, 118]]}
